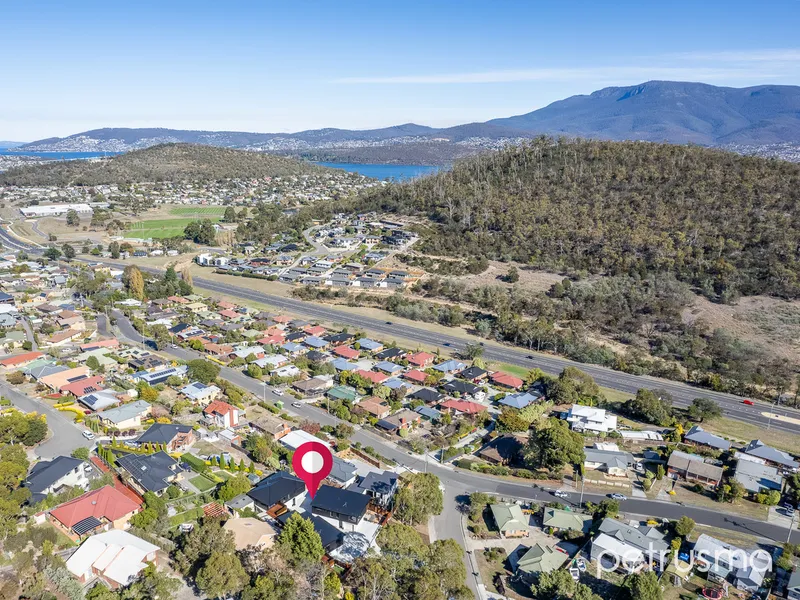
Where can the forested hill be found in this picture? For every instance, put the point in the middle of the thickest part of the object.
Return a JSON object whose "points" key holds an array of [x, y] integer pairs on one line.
{"points": [[726, 223], [167, 162]]}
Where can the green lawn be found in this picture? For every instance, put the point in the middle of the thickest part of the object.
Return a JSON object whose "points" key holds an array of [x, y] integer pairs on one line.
{"points": [[164, 228], [204, 212], [202, 483]]}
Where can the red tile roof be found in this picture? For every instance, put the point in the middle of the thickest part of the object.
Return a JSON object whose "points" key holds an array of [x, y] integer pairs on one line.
{"points": [[272, 340], [462, 406], [112, 343], [107, 502], [281, 319], [229, 314], [226, 304], [83, 386], [420, 359], [346, 352], [416, 375], [314, 329], [506, 380], [178, 299], [374, 377], [19, 359], [219, 407]]}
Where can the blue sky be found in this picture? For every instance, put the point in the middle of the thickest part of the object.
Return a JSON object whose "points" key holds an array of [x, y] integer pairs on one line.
{"points": [[288, 66]]}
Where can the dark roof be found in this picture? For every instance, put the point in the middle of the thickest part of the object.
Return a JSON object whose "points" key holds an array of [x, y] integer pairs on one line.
{"points": [[316, 356], [461, 387], [387, 425], [331, 537], [179, 327], [297, 336], [472, 373], [277, 487], [162, 433], [149, 470], [338, 338], [340, 501], [390, 353], [380, 483], [45, 473], [426, 395]]}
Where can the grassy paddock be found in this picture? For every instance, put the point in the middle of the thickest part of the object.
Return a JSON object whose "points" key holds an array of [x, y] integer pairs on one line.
{"points": [[204, 212]]}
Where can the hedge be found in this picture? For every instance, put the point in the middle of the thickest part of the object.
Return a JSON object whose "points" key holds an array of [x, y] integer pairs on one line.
{"points": [[198, 465]]}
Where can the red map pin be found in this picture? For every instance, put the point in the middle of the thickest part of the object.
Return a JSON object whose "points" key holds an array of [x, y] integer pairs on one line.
{"points": [[312, 462]]}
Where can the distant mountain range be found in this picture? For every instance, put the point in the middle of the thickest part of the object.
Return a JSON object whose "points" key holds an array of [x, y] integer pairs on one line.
{"points": [[5, 144], [747, 119]]}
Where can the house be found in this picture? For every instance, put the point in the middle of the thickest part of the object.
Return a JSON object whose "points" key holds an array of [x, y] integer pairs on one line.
{"points": [[312, 388], [221, 414], [450, 366], [294, 439], [388, 367], [50, 476], [558, 519], [105, 508], [281, 488], [416, 376], [100, 399], [462, 407], [632, 546], [462, 388], [248, 531], [200, 392], [771, 455], [372, 376], [342, 392], [615, 463], [699, 437], [156, 377], [176, 437], [340, 507], [271, 425], [331, 537], [343, 473], [510, 520], [381, 487], [473, 374], [428, 413], [346, 352], [692, 467], [106, 344], [504, 380], [520, 400], [370, 345], [126, 416], [61, 338], [150, 472], [56, 380], [589, 418], [146, 362], [427, 395], [757, 478], [373, 406], [115, 556], [83, 386], [420, 359], [391, 354], [401, 420], [20, 360], [539, 559], [315, 342], [503, 449], [724, 561]]}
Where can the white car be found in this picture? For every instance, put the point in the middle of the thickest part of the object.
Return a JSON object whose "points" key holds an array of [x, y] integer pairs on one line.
{"points": [[278, 392], [88, 435], [560, 494], [297, 404]]}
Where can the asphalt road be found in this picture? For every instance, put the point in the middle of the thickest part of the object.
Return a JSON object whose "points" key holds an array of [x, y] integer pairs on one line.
{"points": [[459, 482], [682, 393]]}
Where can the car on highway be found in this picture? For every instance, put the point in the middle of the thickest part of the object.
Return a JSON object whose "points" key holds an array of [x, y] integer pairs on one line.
{"points": [[88, 435], [297, 404], [618, 496], [748, 402], [560, 494]]}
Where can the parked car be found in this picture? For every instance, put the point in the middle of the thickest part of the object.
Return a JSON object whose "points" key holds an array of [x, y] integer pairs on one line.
{"points": [[88, 435], [618, 496]]}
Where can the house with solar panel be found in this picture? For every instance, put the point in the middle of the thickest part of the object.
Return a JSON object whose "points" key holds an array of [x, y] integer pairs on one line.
{"points": [[95, 511]]}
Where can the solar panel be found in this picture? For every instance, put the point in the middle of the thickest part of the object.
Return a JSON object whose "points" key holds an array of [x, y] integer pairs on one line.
{"points": [[86, 525]]}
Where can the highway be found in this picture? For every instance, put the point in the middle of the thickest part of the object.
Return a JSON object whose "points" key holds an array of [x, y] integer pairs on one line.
{"points": [[683, 394], [459, 482]]}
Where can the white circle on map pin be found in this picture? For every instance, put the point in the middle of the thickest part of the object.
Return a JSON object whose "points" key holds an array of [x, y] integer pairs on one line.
{"points": [[312, 462]]}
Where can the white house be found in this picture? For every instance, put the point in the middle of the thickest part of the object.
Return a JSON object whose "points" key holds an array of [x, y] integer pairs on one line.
{"points": [[116, 555], [200, 392], [50, 476], [287, 371], [590, 418]]}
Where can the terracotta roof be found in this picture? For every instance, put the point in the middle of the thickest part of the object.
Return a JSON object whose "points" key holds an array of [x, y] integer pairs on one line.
{"points": [[374, 377], [219, 407], [346, 352], [229, 314], [507, 380], [420, 358], [83, 386], [226, 304], [282, 319], [178, 299], [107, 502], [463, 406], [60, 336], [416, 375], [315, 330], [18, 359], [112, 343]]}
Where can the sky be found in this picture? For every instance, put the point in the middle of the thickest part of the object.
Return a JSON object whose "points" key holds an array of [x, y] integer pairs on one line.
{"points": [[271, 66]]}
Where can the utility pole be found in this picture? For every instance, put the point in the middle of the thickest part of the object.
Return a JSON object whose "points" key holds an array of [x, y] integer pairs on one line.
{"points": [[791, 524], [583, 484]]}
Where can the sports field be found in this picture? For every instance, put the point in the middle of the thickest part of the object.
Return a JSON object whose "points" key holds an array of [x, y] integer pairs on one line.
{"points": [[164, 228], [199, 212]]}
